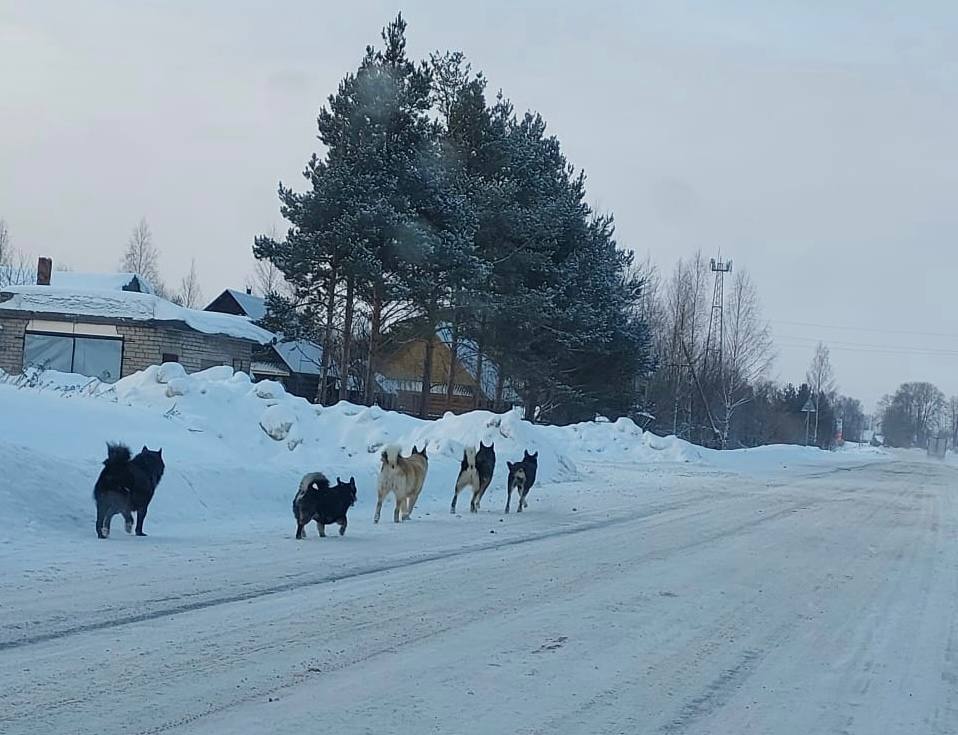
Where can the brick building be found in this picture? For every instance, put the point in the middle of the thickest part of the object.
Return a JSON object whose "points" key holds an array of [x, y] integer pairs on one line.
{"points": [[109, 327]]}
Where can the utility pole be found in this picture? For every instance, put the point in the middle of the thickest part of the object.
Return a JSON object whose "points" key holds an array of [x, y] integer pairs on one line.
{"points": [[808, 409]]}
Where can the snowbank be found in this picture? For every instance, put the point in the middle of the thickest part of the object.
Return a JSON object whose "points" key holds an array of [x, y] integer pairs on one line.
{"points": [[230, 443]]}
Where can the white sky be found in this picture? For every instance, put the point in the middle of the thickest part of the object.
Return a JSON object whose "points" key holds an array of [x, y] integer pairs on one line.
{"points": [[815, 145]]}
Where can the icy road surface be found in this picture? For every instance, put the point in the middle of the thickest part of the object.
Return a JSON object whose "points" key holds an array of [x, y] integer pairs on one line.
{"points": [[702, 602]]}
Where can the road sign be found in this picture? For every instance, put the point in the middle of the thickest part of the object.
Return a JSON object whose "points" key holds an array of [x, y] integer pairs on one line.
{"points": [[809, 407]]}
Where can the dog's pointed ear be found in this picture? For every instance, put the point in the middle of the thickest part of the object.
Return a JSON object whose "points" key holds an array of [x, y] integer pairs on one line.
{"points": [[535, 454], [352, 481], [511, 465], [414, 450], [338, 480], [160, 452], [145, 449]]}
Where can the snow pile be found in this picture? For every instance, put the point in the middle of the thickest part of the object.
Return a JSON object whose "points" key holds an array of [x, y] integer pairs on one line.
{"points": [[623, 440]]}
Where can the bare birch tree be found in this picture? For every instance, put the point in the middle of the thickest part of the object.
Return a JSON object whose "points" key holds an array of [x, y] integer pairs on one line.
{"points": [[15, 268], [821, 379], [142, 257], [190, 294], [748, 350]]}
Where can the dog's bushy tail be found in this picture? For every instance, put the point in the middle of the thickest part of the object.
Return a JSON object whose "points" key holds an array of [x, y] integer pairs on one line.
{"points": [[310, 479], [117, 455]]}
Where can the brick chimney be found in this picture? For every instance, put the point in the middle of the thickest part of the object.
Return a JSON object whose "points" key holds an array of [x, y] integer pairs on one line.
{"points": [[44, 271]]}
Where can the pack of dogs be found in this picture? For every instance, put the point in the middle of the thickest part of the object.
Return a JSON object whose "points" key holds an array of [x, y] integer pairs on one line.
{"points": [[126, 486]]}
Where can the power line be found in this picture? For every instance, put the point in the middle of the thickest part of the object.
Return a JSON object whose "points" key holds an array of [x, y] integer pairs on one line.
{"points": [[864, 329], [847, 343], [876, 349]]}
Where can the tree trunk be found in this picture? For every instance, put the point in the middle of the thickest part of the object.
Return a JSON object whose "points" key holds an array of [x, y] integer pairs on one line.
{"points": [[453, 359], [321, 394], [427, 369], [480, 366], [347, 338], [374, 329], [532, 399], [817, 407], [500, 385]]}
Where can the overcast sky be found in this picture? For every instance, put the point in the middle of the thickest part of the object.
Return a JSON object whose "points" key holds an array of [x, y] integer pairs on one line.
{"points": [[815, 145]]}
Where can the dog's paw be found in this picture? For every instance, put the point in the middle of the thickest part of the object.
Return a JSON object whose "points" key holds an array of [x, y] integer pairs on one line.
{"points": [[104, 533], [128, 526], [140, 533]]}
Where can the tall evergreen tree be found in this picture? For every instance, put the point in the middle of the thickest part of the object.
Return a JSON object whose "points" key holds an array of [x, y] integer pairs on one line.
{"points": [[350, 227]]}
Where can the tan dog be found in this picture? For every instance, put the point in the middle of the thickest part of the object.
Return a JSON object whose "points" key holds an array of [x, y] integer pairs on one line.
{"points": [[403, 477]]}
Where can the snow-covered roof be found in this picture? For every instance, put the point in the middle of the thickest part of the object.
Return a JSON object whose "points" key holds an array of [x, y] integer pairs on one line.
{"points": [[302, 356], [101, 281], [68, 279], [111, 304], [254, 306]]}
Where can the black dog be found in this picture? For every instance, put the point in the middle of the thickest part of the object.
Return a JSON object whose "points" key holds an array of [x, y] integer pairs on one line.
{"points": [[485, 466], [476, 472], [522, 476], [126, 485], [317, 501]]}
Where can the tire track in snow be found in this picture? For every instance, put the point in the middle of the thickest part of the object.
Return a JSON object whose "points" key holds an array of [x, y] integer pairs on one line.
{"points": [[407, 563], [299, 583]]}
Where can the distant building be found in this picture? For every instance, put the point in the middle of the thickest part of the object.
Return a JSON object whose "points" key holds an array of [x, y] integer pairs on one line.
{"points": [[297, 364], [109, 325], [400, 374]]}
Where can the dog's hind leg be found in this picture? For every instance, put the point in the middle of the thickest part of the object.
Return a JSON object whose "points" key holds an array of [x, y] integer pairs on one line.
{"points": [[398, 510], [482, 493], [105, 528], [300, 530], [140, 515], [522, 502], [322, 529], [461, 483], [127, 520], [379, 505], [342, 526], [102, 527], [411, 501], [508, 497]]}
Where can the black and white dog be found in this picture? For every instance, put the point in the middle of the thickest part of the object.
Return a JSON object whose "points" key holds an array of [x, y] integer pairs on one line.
{"points": [[522, 476], [317, 501], [126, 485], [476, 472]]}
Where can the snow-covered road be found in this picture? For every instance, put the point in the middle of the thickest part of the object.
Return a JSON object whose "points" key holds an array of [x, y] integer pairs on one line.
{"points": [[819, 602]]}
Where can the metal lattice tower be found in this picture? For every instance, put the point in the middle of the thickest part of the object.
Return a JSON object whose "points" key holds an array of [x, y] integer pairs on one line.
{"points": [[715, 337]]}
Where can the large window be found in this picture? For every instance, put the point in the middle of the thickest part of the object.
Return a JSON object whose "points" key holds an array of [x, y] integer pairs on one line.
{"points": [[97, 357]]}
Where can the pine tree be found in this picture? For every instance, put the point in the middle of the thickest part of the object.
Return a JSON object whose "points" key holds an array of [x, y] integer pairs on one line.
{"points": [[350, 227]]}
